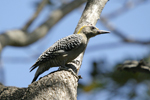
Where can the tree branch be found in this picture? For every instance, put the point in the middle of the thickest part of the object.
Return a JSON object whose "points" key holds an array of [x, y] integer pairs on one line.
{"points": [[59, 85], [20, 38], [128, 5], [90, 15], [39, 9], [135, 66], [120, 34]]}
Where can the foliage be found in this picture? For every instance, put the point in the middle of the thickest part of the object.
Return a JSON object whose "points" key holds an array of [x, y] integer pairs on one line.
{"points": [[118, 83]]}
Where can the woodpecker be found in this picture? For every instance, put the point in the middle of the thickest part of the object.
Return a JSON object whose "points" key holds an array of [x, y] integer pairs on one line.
{"points": [[65, 50]]}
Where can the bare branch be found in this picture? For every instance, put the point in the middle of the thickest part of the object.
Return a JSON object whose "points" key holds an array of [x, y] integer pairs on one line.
{"points": [[135, 66], [120, 34], [90, 15], [39, 9], [59, 85], [129, 4], [21, 38]]}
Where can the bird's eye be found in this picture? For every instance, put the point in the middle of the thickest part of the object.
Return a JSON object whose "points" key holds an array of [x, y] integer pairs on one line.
{"points": [[92, 27]]}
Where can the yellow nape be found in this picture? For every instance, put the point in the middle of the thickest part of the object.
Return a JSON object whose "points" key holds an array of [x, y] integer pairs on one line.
{"points": [[81, 29]]}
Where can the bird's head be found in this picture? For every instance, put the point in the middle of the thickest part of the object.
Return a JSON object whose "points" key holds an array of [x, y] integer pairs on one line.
{"points": [[91, 31]]}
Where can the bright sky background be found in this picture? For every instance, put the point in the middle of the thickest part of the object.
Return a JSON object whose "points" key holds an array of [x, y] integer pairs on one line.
{"points": [[15, 13]]}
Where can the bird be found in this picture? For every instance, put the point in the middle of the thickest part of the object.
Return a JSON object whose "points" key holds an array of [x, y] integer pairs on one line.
{"points": [[65, 50]]}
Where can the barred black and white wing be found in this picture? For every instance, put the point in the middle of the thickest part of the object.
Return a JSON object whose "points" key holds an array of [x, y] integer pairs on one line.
{"points": [[59, 48]]}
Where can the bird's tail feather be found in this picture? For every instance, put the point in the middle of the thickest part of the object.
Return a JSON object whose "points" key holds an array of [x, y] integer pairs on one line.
{"points": [[39, 71], [32, 68], [34, 79]]}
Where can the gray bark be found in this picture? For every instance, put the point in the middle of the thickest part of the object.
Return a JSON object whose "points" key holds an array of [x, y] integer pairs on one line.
{"points": [[59, 85], [90, 16]]}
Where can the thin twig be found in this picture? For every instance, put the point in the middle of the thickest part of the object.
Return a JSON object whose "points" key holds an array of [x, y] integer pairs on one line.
{"points": [[120, 34], [39, 9], [126, 7], [22, 38]]}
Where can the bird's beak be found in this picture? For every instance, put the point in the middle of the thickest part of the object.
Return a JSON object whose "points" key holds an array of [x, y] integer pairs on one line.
{"points": [[102, 32]]}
